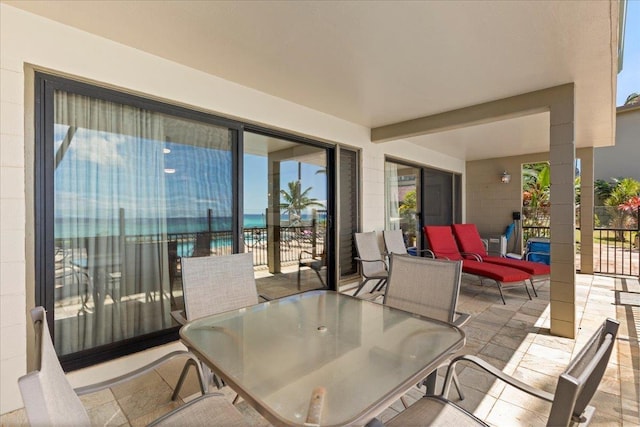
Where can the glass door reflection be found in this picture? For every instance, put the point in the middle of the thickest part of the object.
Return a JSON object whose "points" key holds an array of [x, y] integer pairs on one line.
{"points": [[285, 214]]}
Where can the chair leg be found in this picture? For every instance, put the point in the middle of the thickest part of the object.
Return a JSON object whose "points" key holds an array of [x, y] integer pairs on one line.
{"points": [[527, 288], [534, 288], [379, 286], [183, 376], [319, 277], [404, 402], [361, 286], [501, 296], [457, 385]]}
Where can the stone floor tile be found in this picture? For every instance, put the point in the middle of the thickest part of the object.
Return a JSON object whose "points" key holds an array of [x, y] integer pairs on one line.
{"points": [[107, 414], [98, 398], [170, 372], [479, 380], [476, 402], [144, 418], [507, 414], [519, 398], [152, 393], [17, 418], [500, 352]]}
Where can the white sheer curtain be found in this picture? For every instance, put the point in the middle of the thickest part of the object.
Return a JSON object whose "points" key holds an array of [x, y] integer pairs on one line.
{"points": [[392, 203], [110, 222]]}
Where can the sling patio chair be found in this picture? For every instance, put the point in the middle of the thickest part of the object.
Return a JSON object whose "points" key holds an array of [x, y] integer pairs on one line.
{"points": [[469, 241], [212, 285], [427, 287], [538, 250], [443, 245], [394, 244], [372, 264], [316, 262], [50, 400], [569, 404]]}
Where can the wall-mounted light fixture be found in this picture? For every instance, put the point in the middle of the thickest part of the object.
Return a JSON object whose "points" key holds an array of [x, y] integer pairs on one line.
{"points": [[505, 178]]}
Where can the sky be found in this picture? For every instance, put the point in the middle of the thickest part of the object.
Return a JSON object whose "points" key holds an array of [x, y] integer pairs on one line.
{"points": [[629, 77]]}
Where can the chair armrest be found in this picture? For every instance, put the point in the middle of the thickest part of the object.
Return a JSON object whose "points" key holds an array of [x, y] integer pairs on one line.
{"points": [[264, 297], [492, 370], [138, 372], [375, 423], [373, 260], [178, 316], [427, 251], [304, 252], [536, 253], [461, 319], [475, 256]]}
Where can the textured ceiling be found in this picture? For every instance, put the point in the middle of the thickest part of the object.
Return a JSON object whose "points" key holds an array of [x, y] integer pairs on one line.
{"points": [[378, 63]]}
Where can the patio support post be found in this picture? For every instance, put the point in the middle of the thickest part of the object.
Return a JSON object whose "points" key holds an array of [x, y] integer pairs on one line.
{"points": [[273, 216], [559, 102], [562, 156], [587, 177]]}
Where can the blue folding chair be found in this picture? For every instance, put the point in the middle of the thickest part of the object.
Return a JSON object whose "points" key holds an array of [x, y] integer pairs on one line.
{"points": [[538, 250]]}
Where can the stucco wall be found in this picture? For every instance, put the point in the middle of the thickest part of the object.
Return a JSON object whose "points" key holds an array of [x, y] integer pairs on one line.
{"points": [[623, 159], [489, 202], [30, 42]]}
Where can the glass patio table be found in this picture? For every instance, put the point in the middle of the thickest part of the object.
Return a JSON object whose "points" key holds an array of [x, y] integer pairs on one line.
{"points": [[361, 355]]}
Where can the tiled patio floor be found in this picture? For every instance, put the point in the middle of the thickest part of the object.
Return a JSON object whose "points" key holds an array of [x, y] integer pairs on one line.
{"points": [[514, 337]]}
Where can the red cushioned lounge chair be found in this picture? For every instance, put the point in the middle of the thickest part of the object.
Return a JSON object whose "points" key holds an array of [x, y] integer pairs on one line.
{"points": [[443, 245], [469, 241]]}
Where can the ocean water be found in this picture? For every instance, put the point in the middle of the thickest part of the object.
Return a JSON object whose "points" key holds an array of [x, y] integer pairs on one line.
{"points": [[67, 228]]}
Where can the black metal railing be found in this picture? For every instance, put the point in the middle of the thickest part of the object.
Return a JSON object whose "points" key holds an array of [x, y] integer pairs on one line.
{"points": [[294, 241], [616, 250]]}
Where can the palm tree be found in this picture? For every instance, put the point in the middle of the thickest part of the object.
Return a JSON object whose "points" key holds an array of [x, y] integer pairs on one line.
{"points": [[295, 201], [617, 195], [632, 99]]}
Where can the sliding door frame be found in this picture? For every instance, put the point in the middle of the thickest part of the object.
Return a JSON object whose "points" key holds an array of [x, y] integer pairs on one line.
{"points": [[44, 292]]}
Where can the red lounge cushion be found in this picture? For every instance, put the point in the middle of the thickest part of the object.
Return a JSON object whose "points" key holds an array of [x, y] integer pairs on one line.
{"points": [[441, 242], [533, 268], [494, 271], [469, 239]]}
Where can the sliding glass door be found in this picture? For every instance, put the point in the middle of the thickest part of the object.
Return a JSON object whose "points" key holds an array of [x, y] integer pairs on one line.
{"points": [[416, 196], [286, 217], [127, 191]]}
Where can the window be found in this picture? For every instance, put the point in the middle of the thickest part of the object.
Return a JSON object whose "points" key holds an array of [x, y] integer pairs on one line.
{"points": [[416, 196], [348, 211], [126, 187]]}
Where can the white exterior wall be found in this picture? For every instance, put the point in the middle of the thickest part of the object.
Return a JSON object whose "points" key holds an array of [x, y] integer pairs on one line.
{"points": [[621, 160], [28, 41]]}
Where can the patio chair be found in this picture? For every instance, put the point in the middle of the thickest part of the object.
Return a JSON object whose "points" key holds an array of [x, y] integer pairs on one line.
{"points": [[49, 398], [569, 404], [306, 259], [202, 246], [394, 244], [443, 245], [212, 285], [372, 263], [538, 250], [469, 241], [428, 287]]}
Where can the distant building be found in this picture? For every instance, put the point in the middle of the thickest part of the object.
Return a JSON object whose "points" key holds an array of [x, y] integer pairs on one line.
{"points": [[623, 159]]}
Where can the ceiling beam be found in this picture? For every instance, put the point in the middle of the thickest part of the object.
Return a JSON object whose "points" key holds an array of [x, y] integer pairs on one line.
{"points": [[501, 109]]}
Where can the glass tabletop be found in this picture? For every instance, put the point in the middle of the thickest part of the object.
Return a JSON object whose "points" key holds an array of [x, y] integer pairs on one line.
{"points": [[364, 355]]}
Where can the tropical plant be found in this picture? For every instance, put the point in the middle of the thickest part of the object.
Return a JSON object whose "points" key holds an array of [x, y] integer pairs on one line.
{"points": [[407, 210], [295, 201], [632, 99], [621, 196], [536, 184]]}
